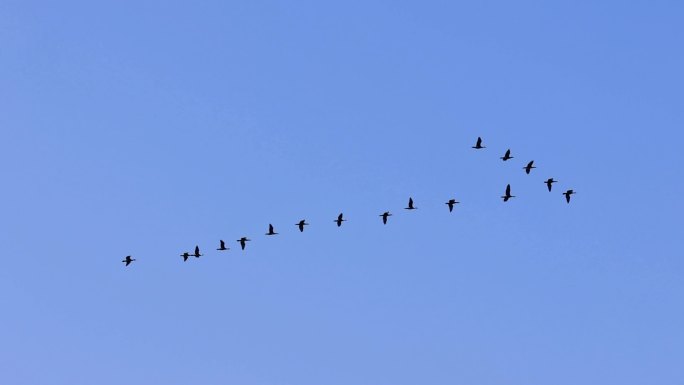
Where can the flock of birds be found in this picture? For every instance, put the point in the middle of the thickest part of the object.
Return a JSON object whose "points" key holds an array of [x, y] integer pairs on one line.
{"points": [[340, 218]]}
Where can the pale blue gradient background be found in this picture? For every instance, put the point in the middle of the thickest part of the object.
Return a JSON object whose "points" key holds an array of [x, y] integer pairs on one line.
{"points": [[146, 127]]}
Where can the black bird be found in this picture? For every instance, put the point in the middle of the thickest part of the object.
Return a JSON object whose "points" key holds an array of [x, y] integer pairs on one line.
{"points": [[529, 167], [384, 217], [478, 145], [451, 204], [197, 253], [507, 155], [567, 195], [270, 230], [301, 225], [339, 220], [549, 182], [243, 241], [410, 205], [223, 246], [508, 194], [185, 256], [128, 260]]}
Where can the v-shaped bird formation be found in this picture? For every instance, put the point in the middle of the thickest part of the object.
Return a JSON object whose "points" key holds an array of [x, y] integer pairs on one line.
{"points": [[451, 203]]}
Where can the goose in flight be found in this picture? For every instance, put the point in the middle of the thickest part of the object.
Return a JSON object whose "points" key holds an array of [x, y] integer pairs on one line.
{"points": [[223, 247], [529, 167], [507, 155], [549, 182], [128, 260], [410, 205], [243, 241], [451, 204], [301, 225], [197, 252], [567, 195], [508, 194], [270, 231], [185, 256], [339, 220], [384, 217], [478, 145]]}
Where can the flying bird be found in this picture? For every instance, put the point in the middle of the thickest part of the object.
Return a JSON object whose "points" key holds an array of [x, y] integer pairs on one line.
{"points": [[451, 204], [185, 256], [507, 155], [243, 241], [567, 195], [479, 145], [549, 182], [128, 260], [529, 167], [339, 220], [301, 225], [508, 194], [223, 246], [270, 230], [384, 217], [410, 205], [197, 253]]}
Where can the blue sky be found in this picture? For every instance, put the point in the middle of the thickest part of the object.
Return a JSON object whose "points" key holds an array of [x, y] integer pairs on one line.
{"points": [[147, 127]]}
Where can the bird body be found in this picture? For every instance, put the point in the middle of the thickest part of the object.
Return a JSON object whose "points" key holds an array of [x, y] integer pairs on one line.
{"points": [[549, 182], [507, 155], [478, 145], [185, 256], [128, 260], [243, 242], [301, 225], [384, 217], [567, 195], [197, 252], [223, 247], [339, 220], [508, 194], [451, 204], [270, 230], [410, 205], [529, 167]]}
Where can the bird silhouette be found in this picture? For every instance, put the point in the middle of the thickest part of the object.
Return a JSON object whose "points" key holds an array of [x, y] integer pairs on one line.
{"points": [[128, 260], [451, 204], [549, 182], [478, 145], [223, 246], [270, 230], [410, 205], [185, 256], [529, 167], [384, 217], [301, 225], [507, 155], [197, 252], [567, 195], [243, 242], [508, 194], [339, 220]]}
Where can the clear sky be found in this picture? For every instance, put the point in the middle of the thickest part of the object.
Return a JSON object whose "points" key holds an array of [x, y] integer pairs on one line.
{"points": [[149, 127]]}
